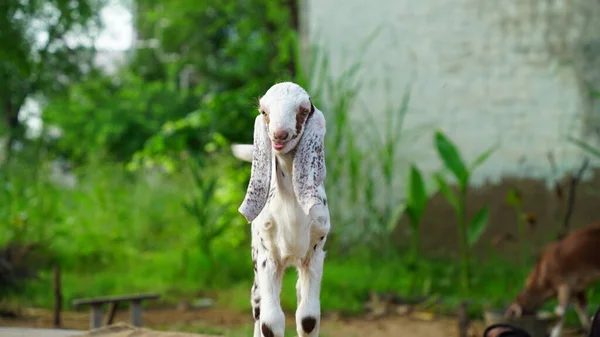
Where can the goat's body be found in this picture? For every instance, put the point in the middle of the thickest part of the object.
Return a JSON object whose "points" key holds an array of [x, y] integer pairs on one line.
{"points": [[564, 270], [289, 233], [291, 227], [287, 207]]}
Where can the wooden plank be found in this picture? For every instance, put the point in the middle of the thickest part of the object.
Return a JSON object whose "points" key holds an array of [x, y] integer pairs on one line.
{"points": [[102, 300]]}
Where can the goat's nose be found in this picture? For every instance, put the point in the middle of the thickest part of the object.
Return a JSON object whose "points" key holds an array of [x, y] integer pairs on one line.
{"points": [[281, 135]]}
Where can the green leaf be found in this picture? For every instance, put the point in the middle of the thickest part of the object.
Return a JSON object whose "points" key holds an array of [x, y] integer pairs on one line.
{"points": [[477, 226], [451, 157], [396, 214], [446, 191], [483, 157], [414, 217], [585, 146], [417, 197]]}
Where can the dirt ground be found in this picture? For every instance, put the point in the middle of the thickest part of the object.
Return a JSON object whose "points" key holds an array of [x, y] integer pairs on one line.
{"points": [[228, 322]]}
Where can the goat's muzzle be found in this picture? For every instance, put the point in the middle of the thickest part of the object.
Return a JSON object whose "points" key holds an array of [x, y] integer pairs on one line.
{"points": [[280, 139]]}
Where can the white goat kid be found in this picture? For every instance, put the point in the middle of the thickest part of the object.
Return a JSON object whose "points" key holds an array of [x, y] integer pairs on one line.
{"points": [[287, 206]]}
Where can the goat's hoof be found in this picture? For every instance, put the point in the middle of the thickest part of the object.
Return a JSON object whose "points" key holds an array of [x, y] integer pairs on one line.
{"points": [[308, 324]]}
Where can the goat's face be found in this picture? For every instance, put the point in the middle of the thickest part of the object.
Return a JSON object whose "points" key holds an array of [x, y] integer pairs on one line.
{"points": [[528, 301], [285, 108]]}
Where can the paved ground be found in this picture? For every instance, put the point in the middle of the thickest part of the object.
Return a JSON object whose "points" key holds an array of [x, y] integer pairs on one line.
{"points": [[31, 332], [239, 324]]}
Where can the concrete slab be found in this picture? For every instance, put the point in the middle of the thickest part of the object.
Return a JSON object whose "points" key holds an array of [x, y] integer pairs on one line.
{"points": [[32, 332]]}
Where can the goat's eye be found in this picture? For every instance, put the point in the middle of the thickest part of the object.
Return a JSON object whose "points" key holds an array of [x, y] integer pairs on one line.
{"points": [[262, 112], [303, 111]]}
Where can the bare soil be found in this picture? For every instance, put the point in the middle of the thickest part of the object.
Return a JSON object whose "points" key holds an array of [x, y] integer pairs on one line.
{"points": [[225, 321]]}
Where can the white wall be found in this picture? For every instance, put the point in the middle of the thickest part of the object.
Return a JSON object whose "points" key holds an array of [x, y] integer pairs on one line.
{"points": [[484, 71]]}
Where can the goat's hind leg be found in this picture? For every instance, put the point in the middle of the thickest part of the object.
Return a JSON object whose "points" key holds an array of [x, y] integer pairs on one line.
{"points": [[581, 309], [310, 272]]}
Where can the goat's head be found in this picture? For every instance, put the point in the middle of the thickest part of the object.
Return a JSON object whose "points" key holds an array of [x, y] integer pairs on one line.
{"points": [[285, 108], [288, 121], [538, 289]]}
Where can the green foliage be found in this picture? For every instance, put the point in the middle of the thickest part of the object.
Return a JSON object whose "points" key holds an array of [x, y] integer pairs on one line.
{"points": [[416, 200], [196, 83], [233, 51], [213, 204], [451, 158], [477, 226], [469, 232], [113, 117], [33, 66]]}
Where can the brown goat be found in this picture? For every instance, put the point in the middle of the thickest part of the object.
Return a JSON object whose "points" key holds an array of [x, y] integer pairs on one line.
{"points": [[564, 270]]}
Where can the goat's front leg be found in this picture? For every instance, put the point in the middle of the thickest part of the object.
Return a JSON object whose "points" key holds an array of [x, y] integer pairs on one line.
{"points": [[310, 273], [564, 294], [272, 318]]}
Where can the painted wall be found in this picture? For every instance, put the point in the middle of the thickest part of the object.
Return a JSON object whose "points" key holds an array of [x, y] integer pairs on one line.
{"points": [[486, 71]]}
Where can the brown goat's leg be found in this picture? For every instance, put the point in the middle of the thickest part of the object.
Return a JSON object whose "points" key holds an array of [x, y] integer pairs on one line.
{"points": [[564, 293], [580, 303]]}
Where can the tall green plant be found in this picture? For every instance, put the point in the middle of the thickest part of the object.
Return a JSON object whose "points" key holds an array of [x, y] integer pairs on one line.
{"points": [[469, 231], [203, 208], [416, 200]]}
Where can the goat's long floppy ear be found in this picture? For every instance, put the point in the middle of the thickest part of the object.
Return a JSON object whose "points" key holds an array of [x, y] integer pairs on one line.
{"points": [[260, 175], [309, 162]]}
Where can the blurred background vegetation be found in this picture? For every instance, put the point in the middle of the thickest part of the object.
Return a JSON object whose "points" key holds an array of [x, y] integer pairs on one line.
{"points": [[128, 172]]}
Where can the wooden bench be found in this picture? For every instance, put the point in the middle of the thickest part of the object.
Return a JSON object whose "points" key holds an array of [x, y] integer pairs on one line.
{"points": [[96, 307]]}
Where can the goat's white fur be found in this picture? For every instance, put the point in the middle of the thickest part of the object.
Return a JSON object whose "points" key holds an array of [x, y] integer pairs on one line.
{"points": [[287, 206]]}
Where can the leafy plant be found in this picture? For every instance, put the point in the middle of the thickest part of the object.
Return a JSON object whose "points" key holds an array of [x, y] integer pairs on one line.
{"points": [[469, 231], [203, 208], [416, 201]]}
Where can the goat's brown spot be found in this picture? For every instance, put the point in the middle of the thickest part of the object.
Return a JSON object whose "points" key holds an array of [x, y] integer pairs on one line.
{"points": [[266, 331], [308, 324], [302, 116]]}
